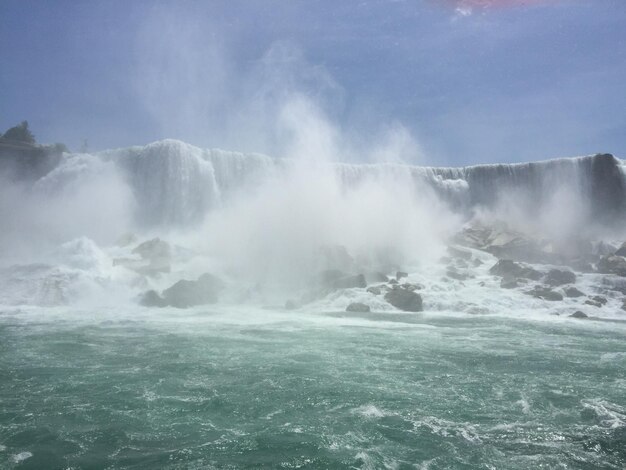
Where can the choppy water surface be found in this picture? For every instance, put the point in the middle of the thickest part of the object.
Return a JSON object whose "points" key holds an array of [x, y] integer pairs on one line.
{"points": [[233, 389]]}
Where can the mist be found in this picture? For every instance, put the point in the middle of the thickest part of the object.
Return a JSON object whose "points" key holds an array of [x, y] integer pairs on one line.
{"points": [[300, 187]]}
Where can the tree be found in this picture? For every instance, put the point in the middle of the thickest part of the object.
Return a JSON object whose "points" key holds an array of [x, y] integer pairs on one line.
{"points": [[20, 133]]}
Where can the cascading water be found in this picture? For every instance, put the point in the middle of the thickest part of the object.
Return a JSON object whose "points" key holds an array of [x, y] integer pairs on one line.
{"points": [[285, 273], [178, 184]]}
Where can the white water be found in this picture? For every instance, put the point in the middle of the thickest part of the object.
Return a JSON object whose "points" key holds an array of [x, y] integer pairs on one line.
{"points": [[267, 226]]}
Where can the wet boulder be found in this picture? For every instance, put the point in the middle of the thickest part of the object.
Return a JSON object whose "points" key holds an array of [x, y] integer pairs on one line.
{"points": [[507, 268], [571, 291], [621, 251], [578, 314], [612, 264], [456, 274], [186, 293], [410, 286], [406, 300], [152, 299], [597, 300], [557, 277], [374, 290], [545, 293], [401, 274], [358, 307]]}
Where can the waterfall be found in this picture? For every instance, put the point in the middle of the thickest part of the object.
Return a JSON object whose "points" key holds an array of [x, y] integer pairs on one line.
{"points": [[175, 183]]}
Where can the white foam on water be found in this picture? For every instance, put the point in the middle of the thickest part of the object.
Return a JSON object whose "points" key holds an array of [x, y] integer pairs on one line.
{"points": [[370, 411], [17, 458]]}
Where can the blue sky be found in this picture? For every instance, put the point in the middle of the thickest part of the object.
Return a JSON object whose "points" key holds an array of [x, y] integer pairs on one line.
{"points": [[468, 81]]}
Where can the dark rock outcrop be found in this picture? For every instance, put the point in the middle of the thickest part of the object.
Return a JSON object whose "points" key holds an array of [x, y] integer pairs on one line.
{"points": [[455, 274], [578, 314], [400, 275], [598, 299], [508, 269], [152, 299], [572, 292], [184, 293], [557, 277], [374, 290], [404, 300], [621, 251], [358, 307], [27, 161], [612, 264], [545, 293]]}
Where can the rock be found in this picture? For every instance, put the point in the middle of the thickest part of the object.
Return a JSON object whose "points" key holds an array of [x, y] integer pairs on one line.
{"points": [[460, 253], [454, 274], [507, 244], [477, 262], [557, 277], [393, 282], [578, 314], [404, 300], [357, 307], [612, 264], [615, 283], [509, 283], [152, 299], [621, 251], [593, 303], [291, 304], [401, 274], [411, 287], [545, 293], [374, 290], [572, 292], [599, 299], [510, 269], [186, 293]]}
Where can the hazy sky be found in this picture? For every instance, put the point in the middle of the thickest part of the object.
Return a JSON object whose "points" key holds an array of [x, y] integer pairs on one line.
{"points": [[464, 81]]}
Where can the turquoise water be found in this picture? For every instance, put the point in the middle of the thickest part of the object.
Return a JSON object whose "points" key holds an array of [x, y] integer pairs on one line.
{"points": [[270, 390]]}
